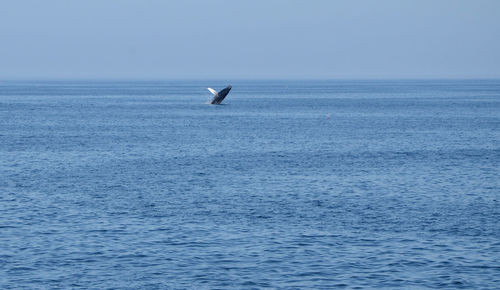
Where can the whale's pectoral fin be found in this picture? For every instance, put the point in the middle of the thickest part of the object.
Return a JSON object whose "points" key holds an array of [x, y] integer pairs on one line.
{"points": [[214, 92]]}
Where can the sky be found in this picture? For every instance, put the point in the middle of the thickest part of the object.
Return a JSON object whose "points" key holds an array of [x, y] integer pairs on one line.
{"points": [[249, 39]]}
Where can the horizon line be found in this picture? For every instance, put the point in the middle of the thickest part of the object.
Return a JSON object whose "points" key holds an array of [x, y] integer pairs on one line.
{"points": [[117, 79]]}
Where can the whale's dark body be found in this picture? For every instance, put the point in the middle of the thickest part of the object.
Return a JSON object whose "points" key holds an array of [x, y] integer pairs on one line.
{"points": [[219, 97]]}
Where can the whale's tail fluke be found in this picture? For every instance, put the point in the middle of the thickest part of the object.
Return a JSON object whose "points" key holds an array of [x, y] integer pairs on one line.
{"points": [[219, 96]]}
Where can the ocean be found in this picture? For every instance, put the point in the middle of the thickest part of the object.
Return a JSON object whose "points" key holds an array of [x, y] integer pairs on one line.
{"points": [[288, 184]]}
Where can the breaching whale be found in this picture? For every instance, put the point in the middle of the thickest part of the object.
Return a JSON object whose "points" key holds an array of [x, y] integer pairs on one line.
{"points": [[219, 96]]}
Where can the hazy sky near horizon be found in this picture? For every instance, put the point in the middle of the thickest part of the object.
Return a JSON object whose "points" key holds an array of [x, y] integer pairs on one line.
{"points": [[273, 39]]}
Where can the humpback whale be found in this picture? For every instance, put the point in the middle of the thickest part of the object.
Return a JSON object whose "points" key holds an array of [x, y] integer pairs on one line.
{"points": [[219, 96]]}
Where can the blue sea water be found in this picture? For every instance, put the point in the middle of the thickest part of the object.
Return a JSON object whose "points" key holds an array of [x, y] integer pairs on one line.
{"points": [[290, 184]]}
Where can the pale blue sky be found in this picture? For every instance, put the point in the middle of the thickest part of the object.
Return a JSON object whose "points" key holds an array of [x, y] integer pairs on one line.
{"points": [[273, 39]]}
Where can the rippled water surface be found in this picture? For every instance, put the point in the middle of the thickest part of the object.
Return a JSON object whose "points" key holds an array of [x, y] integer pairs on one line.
{"points": [[293, 184]]}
